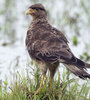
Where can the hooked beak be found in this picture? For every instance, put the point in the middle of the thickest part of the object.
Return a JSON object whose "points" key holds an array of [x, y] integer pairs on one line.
{"points": [[29, 11]]}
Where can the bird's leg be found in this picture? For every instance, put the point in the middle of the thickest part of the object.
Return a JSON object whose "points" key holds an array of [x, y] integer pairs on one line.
{"points": [[39, 89], [51, 82], [52, 70]]}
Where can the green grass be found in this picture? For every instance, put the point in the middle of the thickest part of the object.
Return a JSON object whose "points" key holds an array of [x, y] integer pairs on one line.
{"points": [[64, 87]]}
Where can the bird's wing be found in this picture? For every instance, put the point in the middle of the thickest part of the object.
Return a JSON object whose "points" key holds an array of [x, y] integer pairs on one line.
{"points": [[52, 48]]}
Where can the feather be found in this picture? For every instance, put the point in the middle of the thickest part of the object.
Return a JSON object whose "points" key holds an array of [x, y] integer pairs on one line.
{"points": [[78, 72], [47, 45]]}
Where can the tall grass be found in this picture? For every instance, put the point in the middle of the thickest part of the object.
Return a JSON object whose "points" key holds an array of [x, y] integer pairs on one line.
{"points": [[64, 87]]}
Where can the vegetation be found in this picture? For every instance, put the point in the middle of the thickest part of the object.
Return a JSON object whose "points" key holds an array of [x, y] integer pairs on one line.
{"points": [[64, 87], [72, 18]]}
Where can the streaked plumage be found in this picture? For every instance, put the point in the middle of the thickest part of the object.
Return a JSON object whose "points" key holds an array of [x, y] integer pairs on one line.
{"points": [[49, 47]]}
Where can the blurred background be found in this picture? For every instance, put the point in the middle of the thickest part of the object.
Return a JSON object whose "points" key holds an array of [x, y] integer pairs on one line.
{"points": [[72, 17]]}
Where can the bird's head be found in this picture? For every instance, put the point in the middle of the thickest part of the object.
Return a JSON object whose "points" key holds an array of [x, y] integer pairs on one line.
{"points": [[37, 11]]}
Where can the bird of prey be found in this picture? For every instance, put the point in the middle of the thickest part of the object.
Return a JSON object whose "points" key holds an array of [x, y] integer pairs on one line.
{"points": [[48, 47]]}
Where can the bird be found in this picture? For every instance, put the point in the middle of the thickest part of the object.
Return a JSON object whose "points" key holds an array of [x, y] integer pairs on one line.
{"points": [[48, 47]]}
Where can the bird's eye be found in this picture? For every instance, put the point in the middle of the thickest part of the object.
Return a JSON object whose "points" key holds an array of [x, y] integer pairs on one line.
{"points": [[37, 8], [33, 8]]}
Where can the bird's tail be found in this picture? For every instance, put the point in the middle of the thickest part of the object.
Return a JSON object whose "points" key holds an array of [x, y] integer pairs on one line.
{"points": [[87, 65], [79, 68]]}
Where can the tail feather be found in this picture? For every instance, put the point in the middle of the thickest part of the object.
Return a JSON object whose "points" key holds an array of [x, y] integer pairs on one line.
{"points": [[77, 71], [87, 65], [82, 64]]}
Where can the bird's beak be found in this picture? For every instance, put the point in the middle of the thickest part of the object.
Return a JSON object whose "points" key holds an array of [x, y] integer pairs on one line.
{"points": [[29, 11]]}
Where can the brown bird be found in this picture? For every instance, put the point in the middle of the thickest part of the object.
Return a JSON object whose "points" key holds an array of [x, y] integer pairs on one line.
{"points": [[48, 47]]}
